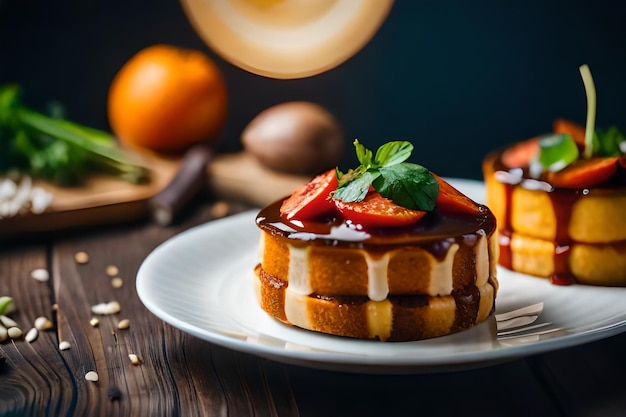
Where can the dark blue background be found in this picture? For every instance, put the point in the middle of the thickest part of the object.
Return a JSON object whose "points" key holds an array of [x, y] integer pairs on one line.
{"points": [[457, 78]]}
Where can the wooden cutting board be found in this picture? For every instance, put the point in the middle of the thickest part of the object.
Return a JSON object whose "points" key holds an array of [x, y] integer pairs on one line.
{"points": [[102, 199]]}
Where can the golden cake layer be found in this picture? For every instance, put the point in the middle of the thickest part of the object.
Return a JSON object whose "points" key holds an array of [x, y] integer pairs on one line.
{"points": [[430, 279], [395, 318], [567, 235]]}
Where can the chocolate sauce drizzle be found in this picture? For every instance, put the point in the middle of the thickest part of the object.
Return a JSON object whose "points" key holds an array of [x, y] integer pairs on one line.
{"points": [[562, 203]]}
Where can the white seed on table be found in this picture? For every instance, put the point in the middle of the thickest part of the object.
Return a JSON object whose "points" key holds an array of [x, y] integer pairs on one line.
{"points": [[14, 332], [112, 307], [94, 322], [42, 323], [134, 359], [4, 334], [7, 321], [8, 188], [112, 270], [40, 199], [40, 274], [123, 324], [117, 282], [31, 335], [64, 345], [91, 376], [81, 257]]}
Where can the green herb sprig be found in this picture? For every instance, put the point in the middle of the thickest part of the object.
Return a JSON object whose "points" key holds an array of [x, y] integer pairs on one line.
{"points": [[409, 185], [57, 149], [557, 151]]}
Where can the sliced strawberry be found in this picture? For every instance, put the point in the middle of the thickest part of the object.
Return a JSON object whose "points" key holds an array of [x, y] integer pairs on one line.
{"points": [[451, 200], [576, 131], [520, 154], [377, 211], [584, 173], [311, 199]]}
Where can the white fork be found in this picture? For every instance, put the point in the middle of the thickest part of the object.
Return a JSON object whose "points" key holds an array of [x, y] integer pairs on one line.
{"points": [[519, 323]]}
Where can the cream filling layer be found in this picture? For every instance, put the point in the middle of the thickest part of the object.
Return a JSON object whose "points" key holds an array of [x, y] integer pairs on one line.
{"points": [[441, 279], [481, 253], [377, 283], [299, 270], [379, 319]]}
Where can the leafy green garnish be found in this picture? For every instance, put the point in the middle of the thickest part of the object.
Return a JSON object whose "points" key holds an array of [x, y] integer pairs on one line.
{"points": [[610, 142], [57, 149], [6, 304], [557, 151], [560, 150], [409, 185]]}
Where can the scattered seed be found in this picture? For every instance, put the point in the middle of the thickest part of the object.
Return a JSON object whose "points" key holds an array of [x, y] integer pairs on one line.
{"points": [[114, 393], [81, 257], [14, 332], [64, 345], [40, 274], [40, 199], [42, 323], [104, 309], [94, 322], [91, 376], [112, 270], [4, 334], [123, 324], [220, 209], [31, 335], [134, 359], [117, 282], [55, 307], [7, 321]]}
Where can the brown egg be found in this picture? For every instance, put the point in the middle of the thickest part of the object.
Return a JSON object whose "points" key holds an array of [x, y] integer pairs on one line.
{"points": [[297, 137]]}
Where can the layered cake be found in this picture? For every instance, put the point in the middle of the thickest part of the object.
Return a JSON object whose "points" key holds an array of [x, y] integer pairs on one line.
{"points": [[372, 269], [560, 202], [551, 226]]}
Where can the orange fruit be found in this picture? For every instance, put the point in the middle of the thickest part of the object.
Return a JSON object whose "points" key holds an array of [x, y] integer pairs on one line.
{"points": [[167, 98]]}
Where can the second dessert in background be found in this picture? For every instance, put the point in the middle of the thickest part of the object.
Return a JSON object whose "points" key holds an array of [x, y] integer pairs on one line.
{"points": [[560, 202]]}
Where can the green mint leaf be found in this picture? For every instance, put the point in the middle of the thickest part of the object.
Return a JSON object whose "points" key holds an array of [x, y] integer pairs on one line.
{"points": [[349, 176], [363, 155], [610, 142], [557, 151], [356, 189], [392, 153], [408, 185]]}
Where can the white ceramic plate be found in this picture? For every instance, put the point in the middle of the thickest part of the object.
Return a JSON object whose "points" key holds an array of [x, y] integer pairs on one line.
{"points": [[201, 282]]}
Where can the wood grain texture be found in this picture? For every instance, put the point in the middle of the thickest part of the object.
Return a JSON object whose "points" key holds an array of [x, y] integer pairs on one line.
{"points": [[181, 375]]}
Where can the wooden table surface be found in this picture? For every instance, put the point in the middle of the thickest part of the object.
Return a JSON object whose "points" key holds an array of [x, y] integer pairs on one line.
{"points": [[181, 375]]}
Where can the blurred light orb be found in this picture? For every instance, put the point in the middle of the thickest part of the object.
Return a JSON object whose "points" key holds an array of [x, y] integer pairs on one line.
{"points": [[286, 39]]}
